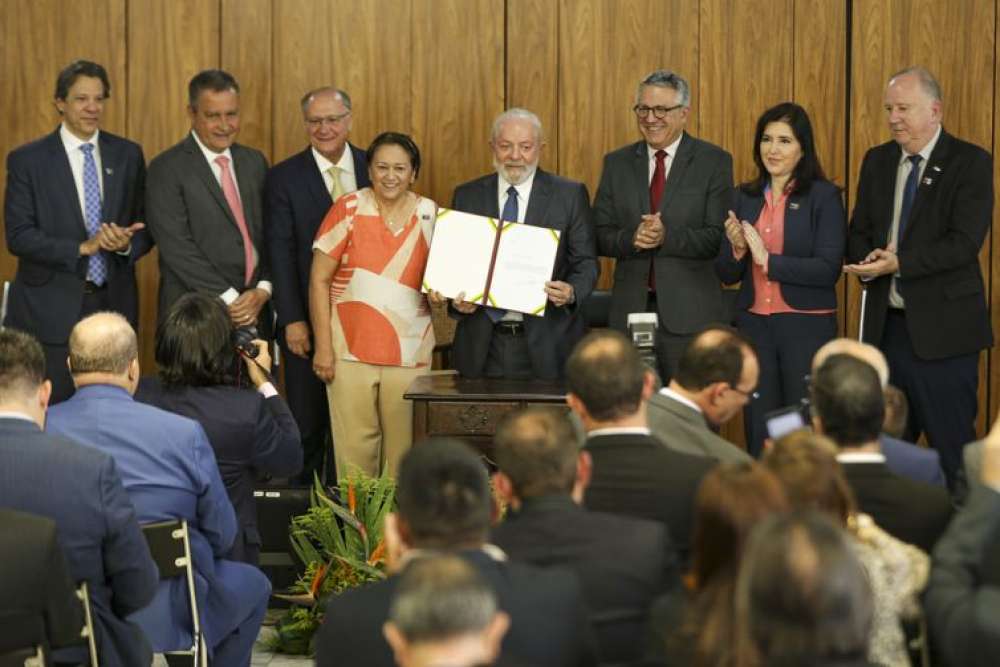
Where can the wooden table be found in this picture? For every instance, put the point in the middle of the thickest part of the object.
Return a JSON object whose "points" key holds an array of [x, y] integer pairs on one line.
{"points": [[449, 405]]}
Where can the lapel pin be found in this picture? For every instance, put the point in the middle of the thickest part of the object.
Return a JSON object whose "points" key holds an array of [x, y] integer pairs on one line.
{"points": [[793, 206], [936, 168], [928, 181]]}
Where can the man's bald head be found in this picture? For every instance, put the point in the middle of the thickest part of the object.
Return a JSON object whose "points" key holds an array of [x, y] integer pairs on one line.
{"points": [[869, 354], [102, 343]]}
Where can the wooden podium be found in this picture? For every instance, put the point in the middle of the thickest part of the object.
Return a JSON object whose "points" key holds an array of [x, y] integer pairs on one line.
{"points": [[449, 405]]}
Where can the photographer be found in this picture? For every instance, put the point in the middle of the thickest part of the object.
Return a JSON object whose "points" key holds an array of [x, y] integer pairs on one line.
{"points": [[199, 356]]}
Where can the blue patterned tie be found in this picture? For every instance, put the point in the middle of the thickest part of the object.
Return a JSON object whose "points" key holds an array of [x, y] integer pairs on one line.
{"points": [[97, 269], [509, 213], [909, 194]]}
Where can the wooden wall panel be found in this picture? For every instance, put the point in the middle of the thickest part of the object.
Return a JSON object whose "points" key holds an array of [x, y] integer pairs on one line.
{"points": [[533, 70], [993, 279], [245, 48]]}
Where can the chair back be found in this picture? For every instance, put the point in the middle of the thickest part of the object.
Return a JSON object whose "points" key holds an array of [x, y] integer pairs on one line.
{"points": [[83, 593], [23, 640]]}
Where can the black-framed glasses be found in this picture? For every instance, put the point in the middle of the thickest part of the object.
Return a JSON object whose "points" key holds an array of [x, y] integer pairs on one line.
{"points": [[751, 395], [642, 111]]}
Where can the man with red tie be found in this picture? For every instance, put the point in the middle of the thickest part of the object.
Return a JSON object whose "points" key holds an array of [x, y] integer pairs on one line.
{"points": [[204, 203], [659, 213]]}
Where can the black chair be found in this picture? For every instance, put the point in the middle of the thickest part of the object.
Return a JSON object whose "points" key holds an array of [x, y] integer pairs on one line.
{"points": [[170, 545], [597, 309], [23, 641]]}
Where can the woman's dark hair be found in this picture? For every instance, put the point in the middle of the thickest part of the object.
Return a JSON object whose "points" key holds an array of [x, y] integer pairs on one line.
{"points": [[396, 139], [194, 343], [808, 169]]}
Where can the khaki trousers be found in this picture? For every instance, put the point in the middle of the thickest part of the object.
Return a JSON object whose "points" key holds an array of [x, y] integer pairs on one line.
{"points": [[372, 423]]}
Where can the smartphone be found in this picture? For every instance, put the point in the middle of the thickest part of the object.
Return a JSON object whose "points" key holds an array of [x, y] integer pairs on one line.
{"points": [[784, 421]]}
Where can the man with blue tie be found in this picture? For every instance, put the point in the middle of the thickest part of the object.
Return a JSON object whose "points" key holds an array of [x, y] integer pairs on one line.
{"points": [[71, 212], [924, 206], [495, 343]]}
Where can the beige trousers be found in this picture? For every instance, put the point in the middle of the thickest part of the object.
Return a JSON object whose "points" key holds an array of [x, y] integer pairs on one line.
{"points": [[372, 422]]}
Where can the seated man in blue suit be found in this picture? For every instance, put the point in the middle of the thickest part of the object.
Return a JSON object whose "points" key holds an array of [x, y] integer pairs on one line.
{"points": [[903, 458], [80, 489], [170, 472]]}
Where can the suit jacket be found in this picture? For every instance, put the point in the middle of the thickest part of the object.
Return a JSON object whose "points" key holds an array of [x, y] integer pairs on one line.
{"points": [[201, 247], [921, 464], [249, 434], [171, 476], [638, 476], [809, 264], [961, 610], [909, 511], [296, 200], [698, 193], [683, 429], [939, 275], [80, 489], [622, 564], [35, 583], [548, 618], [556, 203], [45, 227]]}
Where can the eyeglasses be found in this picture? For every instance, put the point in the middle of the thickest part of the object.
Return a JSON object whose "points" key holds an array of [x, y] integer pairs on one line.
{"points": [[316, 123], [642, 111], [750, 395]]}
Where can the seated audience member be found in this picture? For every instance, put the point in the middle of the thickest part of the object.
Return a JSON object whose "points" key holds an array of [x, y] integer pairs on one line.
{"points": [[963, 600], [444, 501], [696, 627], [802, 597], [38, 603], [169, 471], [715, 378], [622, 563], [444, 613], [807, 466], [848, 407], [632, 473], [252, 432], [897, 410], [80, 489], [920, 464]]}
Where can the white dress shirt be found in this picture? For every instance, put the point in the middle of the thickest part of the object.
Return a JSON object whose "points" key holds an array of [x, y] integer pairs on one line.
{"points": [[348, 177], [523, 195], [72, 144], [668, 161]]}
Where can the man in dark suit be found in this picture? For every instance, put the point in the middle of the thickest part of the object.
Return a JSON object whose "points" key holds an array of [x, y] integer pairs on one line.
{"points": [[494, 343], [962, 601], [80, 489], [848, 407], [633, 472], [299, 193], [924, 206], [659, 213], [622, 563], [204, 206], [71, 208], [445, 505]]}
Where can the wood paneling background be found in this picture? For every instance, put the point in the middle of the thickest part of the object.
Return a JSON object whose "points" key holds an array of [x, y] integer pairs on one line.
{"points": [[441, 69]]}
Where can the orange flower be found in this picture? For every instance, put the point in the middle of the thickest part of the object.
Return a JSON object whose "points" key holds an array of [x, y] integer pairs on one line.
{"points": [[352, 499], [378, 554], [318, 578]]}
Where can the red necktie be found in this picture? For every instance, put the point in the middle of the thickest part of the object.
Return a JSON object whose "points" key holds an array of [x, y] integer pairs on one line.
{"points": [[233, 199], [655, 195]]}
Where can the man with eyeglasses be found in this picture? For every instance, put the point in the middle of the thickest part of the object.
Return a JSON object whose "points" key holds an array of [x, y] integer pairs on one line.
{"points": [[659, 213], [299, 192]]}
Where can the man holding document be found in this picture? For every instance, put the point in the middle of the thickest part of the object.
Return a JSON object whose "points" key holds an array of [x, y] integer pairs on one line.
{"points": [[499, 343]]}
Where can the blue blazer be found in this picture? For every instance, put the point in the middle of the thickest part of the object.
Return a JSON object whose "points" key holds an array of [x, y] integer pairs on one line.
{"points": [[810, 262], [908, 460], [45, 227], [81, 490], [170, 472]]}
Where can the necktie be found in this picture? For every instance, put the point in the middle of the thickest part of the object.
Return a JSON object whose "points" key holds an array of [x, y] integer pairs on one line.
{"points": [[655, 195], [337, 188], [909, 194], [233, 199], [97, 266], [509, 213]]}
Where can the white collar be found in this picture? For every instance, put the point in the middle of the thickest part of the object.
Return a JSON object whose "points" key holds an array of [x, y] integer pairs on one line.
{"points": [[345, 163], [861, 457], [523, 188], [209, 154], [620, 430], [73, 142], [670, 393], [925, 152], [12, 414], [671, 149]]}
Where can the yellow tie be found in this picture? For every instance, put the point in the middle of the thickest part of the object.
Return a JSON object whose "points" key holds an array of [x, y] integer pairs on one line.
{"points": [[337, 189]]}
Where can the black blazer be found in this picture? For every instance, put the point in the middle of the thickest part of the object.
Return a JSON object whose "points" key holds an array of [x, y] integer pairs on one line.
{"points": [[249, 435], [556, 203], [698, 193], [45, 227], [622, 564], [913, 512], [940, 279], [639, 476], [809, 264], [296, 201], [548, 618]]}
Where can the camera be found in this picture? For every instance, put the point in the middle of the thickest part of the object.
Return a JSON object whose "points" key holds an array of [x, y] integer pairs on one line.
{"points": [[642, 332], [243, 341]]}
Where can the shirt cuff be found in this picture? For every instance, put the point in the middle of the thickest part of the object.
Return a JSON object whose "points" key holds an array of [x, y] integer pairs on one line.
{"points": [[127, 251], [266, 286], [267, 390], [229, 296]]}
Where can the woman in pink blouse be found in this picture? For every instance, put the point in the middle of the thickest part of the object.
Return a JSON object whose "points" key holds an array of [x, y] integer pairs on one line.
{"points": [[785, 242]]}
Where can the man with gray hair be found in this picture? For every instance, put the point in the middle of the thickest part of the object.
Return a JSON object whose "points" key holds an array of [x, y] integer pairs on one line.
{"points": [[298, 193], [659, 213], [924, 206], [495, 343]]}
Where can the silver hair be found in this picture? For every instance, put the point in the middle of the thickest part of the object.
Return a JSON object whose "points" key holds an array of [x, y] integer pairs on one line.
{"points": [[326, 90], [926, 79], [664, 78], [517, 113]]}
